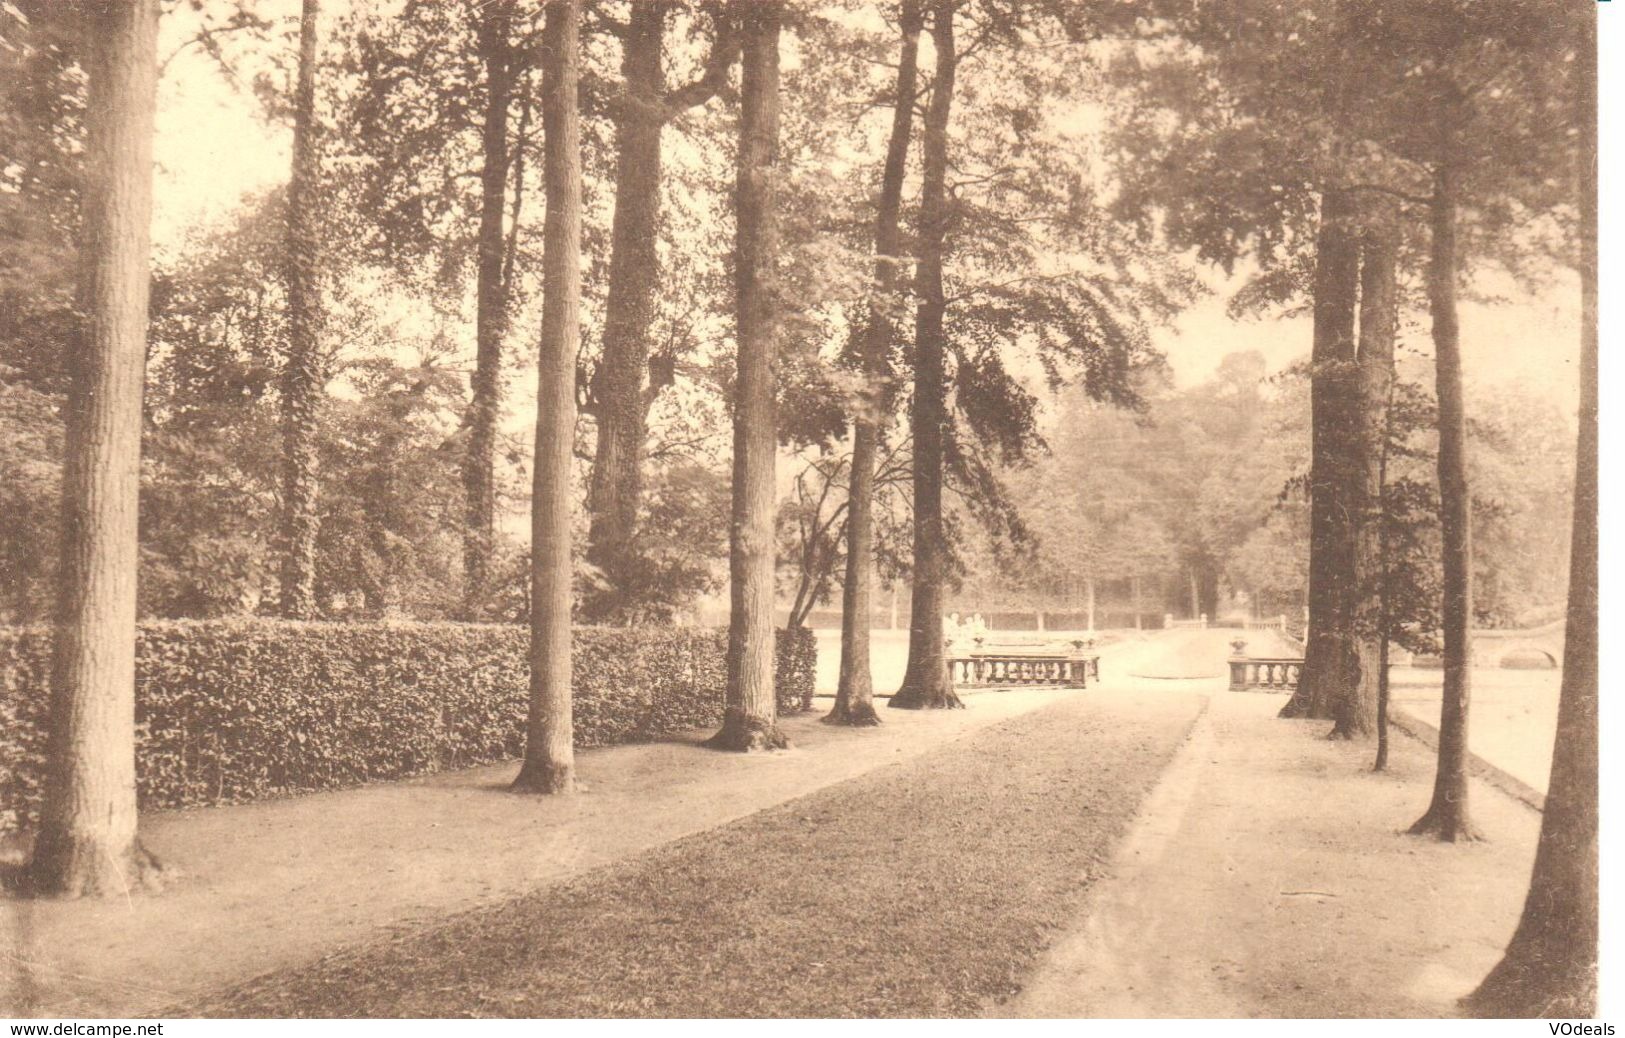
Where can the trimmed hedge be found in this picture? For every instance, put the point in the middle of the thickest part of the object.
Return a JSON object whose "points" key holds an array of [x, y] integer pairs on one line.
{"points": [[229, 711]]}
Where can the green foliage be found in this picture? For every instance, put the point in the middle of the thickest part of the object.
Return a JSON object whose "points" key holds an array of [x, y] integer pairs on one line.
{"points": [[1179, 489], [30, 492], [241, 710]]}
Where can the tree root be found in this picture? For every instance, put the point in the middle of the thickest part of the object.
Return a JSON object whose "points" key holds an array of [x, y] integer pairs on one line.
{"points": [[857, 715], [1448, 824], [79, 869], [747, 735], [1536, 982], [546, 779], [912, 697]]}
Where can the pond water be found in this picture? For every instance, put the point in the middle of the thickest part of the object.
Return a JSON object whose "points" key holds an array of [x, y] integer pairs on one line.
{"points": [[1511, 720]]}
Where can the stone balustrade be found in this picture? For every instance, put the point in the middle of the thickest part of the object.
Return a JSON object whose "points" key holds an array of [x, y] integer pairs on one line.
{"points": [[1274, 675], [989, 666], [1272, 623]]}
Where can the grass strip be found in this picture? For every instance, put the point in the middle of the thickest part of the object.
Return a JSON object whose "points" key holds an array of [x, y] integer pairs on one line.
{"points": [[926, 888]]}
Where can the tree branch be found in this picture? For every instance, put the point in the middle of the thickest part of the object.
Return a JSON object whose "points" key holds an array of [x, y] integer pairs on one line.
{"points": [[1393, 192], [724, 51], [599, 19]]}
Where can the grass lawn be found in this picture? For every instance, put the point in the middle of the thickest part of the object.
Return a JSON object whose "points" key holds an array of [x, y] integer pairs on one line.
{"points": [[921, 889]]}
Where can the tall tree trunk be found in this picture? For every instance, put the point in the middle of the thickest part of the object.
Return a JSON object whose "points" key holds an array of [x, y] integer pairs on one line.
{"points": [[1384, 576], [1447, 815], [549, 752], [87, 842], [634, 278], [925, 681], [491, 309], [304, 376], [1089, 600], [1330, 660], [1356, 711], [750, 720], [855, 693], [1550, 967], [621, 397]]}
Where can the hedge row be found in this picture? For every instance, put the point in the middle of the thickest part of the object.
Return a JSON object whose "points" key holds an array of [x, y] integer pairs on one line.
{"points": [[239, 710]]}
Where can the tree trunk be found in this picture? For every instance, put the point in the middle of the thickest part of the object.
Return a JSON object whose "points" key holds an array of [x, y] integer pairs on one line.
{"points": [[1550, 967], [1385, 619], [304, 376], [1330, 660], [634, 279], [855, 693], [1089, 601], [1356, 711], [491, 313], [621, 400], [750, 720], [549, 752], [87, 843], [1447, 815], [925, 681], [1383, 643], [1207, 590]]}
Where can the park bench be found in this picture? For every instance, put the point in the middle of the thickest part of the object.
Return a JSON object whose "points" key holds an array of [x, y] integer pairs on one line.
{"points": [[1022, 663]]}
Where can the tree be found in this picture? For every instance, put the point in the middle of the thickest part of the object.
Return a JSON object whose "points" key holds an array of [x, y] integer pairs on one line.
{"points": [[434, 136], [627, 378], [1265, 97], [304, 376], [549, 752], [749, 722], [925, 682], [1356, 710], [1331, 668], [1550, 966], [88, 843], [497, 53], [391, 509], [854, 694], [1486, 139], [1447, 815]]}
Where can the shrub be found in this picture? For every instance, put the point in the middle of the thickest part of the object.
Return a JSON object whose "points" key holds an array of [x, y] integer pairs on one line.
{"points": [[229, 711]]}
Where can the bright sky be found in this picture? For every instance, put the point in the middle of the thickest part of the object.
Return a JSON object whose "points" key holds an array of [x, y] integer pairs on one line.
{"points": [[212, 148], [1535, 343], [211, 145]]}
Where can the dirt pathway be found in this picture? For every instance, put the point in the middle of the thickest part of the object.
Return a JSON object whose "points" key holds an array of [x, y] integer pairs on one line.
{"points": [[1267, 877], [273, 884]]}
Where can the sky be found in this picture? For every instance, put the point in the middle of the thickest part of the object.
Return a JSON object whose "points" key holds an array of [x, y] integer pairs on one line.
{"points": [[1534, 343], [212, 148]]}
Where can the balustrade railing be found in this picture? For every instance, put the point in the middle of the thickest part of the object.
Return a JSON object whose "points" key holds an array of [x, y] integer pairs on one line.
{"points": [[1273, 623], [1275, 675], [985, 667]]}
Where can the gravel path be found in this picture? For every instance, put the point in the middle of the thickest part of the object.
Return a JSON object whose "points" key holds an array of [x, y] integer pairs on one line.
{"points": [[1267, 876]]}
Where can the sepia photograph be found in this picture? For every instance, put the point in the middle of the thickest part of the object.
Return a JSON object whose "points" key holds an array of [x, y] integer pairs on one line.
{"points": [[998, 510]]}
